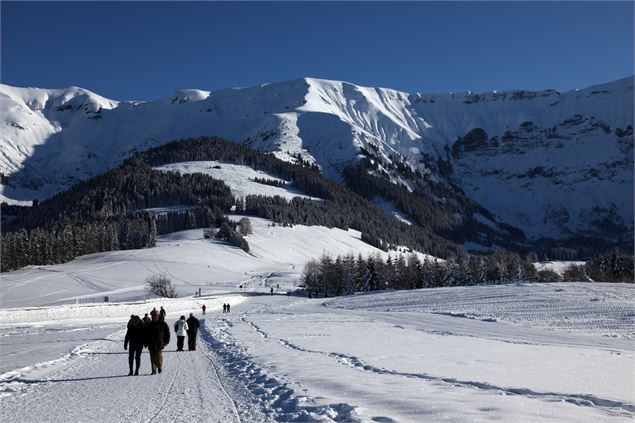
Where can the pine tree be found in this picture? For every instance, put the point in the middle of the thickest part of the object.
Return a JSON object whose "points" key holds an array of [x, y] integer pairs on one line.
{"points": [[500, 269], [481, 277], [519, 277], [450, 272]]}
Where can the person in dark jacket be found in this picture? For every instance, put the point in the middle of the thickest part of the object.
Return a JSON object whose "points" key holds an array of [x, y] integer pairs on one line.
{"points": [[162, 314], [146, 319], [193, 325], [157, 337], [135, 337]]}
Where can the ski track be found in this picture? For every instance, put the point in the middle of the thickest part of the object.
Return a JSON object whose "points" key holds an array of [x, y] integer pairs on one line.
{"points": [[192, 387], [218, 378], [275, 398], [578, 308], [221, 381], [607, 405], [101, 366]]}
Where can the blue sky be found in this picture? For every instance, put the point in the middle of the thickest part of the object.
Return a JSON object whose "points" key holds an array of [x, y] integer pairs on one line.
{"points": [[147, 50]]}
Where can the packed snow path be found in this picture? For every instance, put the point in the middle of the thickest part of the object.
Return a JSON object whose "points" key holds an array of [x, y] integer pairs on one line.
{"points": [[280, 358], [95, 387]]}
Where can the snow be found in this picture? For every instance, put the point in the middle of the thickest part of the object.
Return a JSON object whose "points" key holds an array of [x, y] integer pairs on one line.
{"points": [[485, 221], [79, 134], [389, 207], [557, 266], [187, 258], [591, 309], [519, 352], [286, 358], [166, 210], [239, 178], [523, 352]]}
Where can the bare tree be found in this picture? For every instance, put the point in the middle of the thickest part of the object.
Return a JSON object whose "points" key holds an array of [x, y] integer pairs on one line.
{"points": [[245, 226], [161, 285]]}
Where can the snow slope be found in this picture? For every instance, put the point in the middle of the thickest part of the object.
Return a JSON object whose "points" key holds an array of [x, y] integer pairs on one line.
{"points": [[522, 352], [560, 162], [187, 258], [591, 309], [239, 178], [280, 358]]}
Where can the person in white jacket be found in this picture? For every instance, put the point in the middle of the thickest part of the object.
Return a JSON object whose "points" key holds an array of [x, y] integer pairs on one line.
{"points": [[180, 327]]}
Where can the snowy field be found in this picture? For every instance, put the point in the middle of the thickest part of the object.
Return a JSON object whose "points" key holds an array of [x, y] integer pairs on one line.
{"points": [[513, 353], [587, 308], [240, 179], [190, 260], [281, 358]]}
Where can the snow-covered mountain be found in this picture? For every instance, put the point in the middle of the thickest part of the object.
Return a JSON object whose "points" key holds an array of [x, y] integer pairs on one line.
{"points": [[547, 162]]}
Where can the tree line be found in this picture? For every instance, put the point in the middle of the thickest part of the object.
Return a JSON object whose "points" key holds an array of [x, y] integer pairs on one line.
{"points": [[347, 275], [108, 212], [439, 207], [64, 240], [341, 207]]}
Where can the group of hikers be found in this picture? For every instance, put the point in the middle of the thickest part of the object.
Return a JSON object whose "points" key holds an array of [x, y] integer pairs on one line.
{"points": [[153, 333]]}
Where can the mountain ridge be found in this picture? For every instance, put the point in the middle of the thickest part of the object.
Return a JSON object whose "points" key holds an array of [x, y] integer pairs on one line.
{"points": [[53, 138]]}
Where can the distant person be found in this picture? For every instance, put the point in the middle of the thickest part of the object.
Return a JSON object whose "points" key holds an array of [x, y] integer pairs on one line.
{"points": [[146, 319], [224, 308], [154, 311], [204, 308], [272, 290], [162, 314], [158, 336], [228, 307], [192, 329], [135, 337], [180, 327]]}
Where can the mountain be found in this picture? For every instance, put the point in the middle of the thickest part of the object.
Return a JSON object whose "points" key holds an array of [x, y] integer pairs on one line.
{"points": [[552, 164]]}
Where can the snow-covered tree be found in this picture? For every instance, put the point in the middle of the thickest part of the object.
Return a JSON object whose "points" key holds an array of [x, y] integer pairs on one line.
{"points": [[450, 272]]}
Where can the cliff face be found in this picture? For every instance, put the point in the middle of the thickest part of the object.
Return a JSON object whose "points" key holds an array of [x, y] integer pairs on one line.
{"points": [[550, 163]]}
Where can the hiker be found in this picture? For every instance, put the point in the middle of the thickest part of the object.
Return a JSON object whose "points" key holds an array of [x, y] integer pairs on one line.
{"points": [[224, 308], [158, 336], [162, 314], [146, 319], [204, 308], [154, 311], [180, 327], [135, 337], [192, 329], [272, 290], [228, 307]]}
